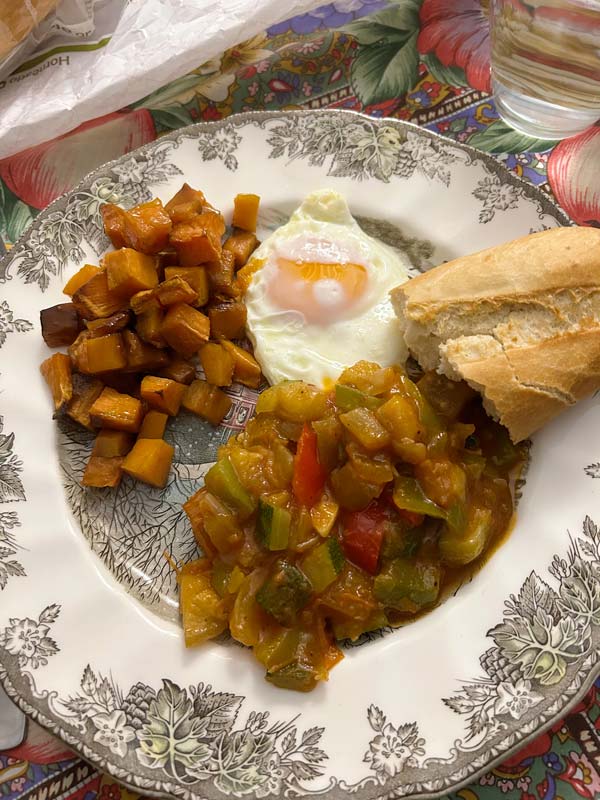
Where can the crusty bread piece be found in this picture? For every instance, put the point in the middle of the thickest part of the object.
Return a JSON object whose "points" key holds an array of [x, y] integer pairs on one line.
{"points": [[519, 322], [19, 18]]}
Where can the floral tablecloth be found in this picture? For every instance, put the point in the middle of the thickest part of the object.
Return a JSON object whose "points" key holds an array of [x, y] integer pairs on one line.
{"points": [[421, 60]]}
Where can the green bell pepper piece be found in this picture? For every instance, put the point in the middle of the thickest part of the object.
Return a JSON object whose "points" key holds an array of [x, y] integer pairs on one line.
{"points": [[347, 398], [462, 545], [296, 676], [403, 579], [409, 496]]}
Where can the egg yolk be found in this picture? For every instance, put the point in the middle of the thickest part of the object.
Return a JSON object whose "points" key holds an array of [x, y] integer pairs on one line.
{"points": [[321, 292]]}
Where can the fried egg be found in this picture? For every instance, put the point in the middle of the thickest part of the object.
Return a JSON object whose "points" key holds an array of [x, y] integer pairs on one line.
{"points": [[318, 296]]}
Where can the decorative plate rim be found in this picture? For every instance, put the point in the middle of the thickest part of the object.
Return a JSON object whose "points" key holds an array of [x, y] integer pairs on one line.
{"points": [[175, 789], [161, 788], [496, 166]]}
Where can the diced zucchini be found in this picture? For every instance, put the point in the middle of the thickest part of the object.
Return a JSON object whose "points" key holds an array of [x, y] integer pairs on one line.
{"points": [[295, 401], [267, 401], [324, 514], [399, 417], [285, 592], [273, 526], [203, 612], [409, 496], [277, 649], [401, 580], [222, 480], [366, 428], [323, 564], [329, 437], [350, 490], [220, 577]]}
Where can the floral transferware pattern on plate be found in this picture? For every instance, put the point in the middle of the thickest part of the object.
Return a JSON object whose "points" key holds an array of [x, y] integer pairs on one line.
{"points": [[153, 725]]}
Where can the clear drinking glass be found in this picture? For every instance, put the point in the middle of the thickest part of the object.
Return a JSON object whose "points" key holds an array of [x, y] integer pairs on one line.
{"points": [[546, 65]]}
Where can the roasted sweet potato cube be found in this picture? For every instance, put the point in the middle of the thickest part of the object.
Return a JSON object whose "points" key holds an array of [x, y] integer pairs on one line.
{"points": [[185, 329], [149, 461], [118, 411], [78, 352], [179, 370], [60, 324], [162, 394], [57, 373], [141, 356], [217, 364], [245, 211], [207, 401], [149, 326], [198, 241], [84, 397], [106, 353], [113, 324], [82, 276], [175, 290], [241, 245], [110, 443], [113, 218], [221, 275], [94, 299], [195, 277], [227, 320], [102, 472], [144, 301], [129, 272], [145, 227], [246, 368], [185, 205], [153, 425]]}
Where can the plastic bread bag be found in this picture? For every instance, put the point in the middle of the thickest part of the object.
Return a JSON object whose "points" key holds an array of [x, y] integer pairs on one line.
{"points": [[102, 55], [17, 21]]}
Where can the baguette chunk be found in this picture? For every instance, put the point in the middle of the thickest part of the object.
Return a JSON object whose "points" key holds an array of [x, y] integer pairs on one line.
{"points": [[519, 322]]}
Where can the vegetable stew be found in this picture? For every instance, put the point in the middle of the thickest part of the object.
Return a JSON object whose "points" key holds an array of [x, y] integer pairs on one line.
{"points": [[338, 512]]}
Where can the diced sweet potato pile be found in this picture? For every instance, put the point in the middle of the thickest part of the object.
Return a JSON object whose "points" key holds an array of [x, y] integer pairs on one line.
{"points": [[166, 300]]}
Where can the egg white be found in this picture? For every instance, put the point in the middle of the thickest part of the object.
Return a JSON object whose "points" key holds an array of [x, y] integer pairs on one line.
{"points": [[290, 347]]}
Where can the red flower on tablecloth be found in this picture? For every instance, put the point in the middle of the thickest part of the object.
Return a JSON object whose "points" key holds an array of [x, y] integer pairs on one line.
{"points": [[40, 174], [211, 113], [457, 32], [573, 177], [539, 747], [581, 775], [110, 791]]}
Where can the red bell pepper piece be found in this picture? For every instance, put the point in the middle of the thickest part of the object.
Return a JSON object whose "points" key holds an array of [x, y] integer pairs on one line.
{"points": [[309, 476], [362, 536]]}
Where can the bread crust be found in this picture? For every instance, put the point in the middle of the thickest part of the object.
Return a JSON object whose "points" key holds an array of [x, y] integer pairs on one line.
{"points": [[19, 19], [519, 322], [541, 263]]}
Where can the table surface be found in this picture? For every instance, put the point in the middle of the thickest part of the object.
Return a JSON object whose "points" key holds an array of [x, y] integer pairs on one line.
{"points": [[426, 61]]}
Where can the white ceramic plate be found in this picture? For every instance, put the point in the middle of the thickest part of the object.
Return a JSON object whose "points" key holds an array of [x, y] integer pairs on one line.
{"points": [[89, 641]]}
